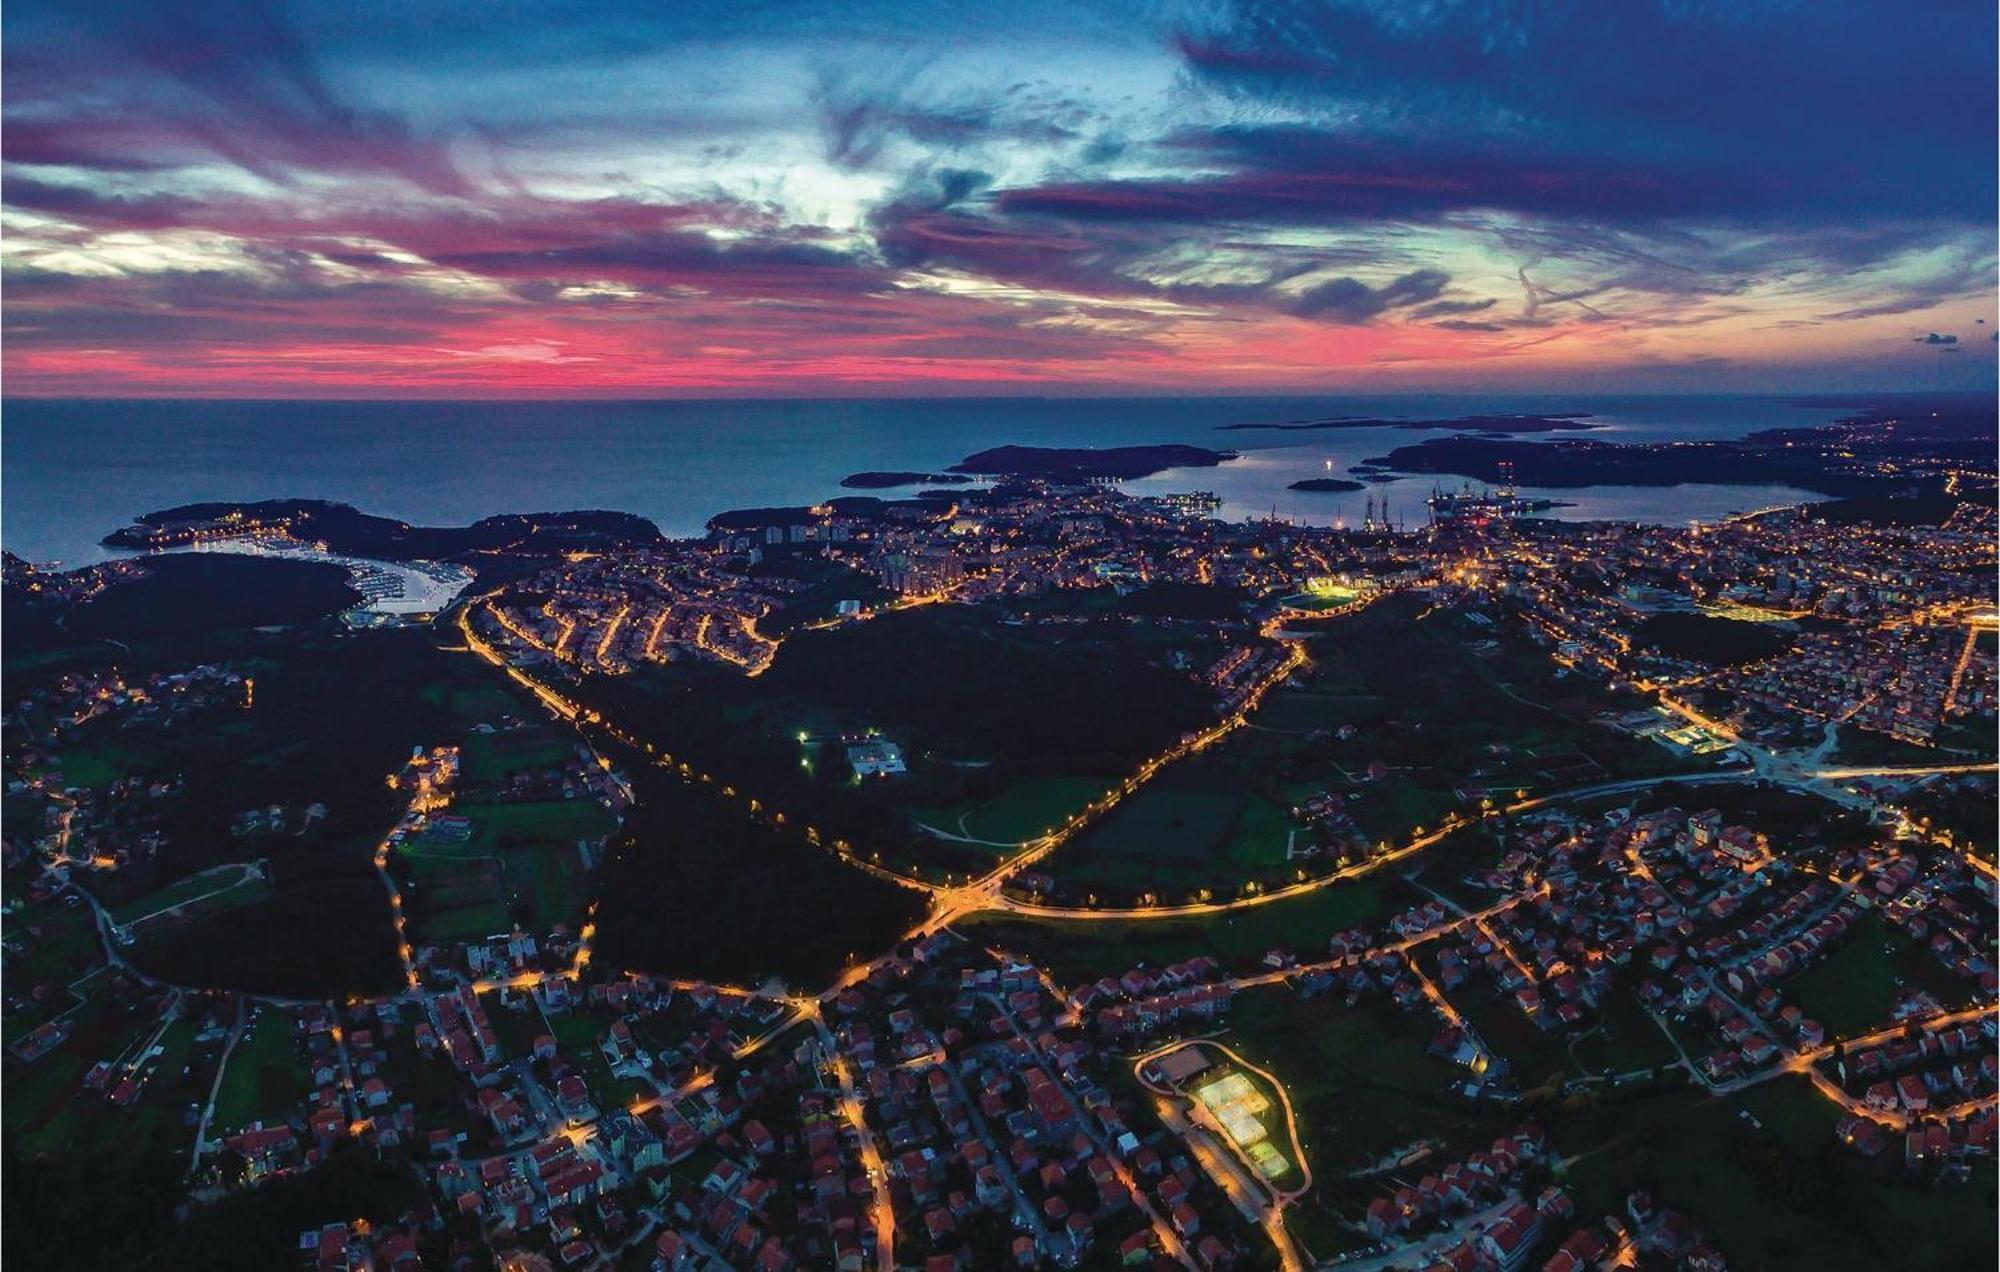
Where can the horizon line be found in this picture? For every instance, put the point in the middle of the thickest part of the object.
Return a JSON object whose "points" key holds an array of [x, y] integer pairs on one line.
{"points": [[1803, 396]]}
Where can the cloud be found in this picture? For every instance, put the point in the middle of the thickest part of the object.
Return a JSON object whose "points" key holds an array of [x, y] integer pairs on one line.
{"points": [[181, 81], [1254, 191], [1352, 301], [1935, 339]]}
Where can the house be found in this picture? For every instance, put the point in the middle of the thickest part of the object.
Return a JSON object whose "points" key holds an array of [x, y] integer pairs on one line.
{"points": [[1510, 1241]]}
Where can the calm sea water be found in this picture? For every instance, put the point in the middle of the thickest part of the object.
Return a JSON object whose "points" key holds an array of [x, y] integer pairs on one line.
{"points": [[72, 471]]}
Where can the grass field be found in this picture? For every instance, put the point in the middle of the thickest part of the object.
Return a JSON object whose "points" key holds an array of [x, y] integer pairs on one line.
{"points": [[1625, 1039], [96, 766], [471, 698], [1407, 713], [518, 854], [495, 757], [40, 1099], [499, 826], [577, 1034], [1535, 1056], [1196, 826], [1852, 990], [263, 1080], [222, 880], [1024, 810], [57, 942], [1363, 1087], [472, 922]]}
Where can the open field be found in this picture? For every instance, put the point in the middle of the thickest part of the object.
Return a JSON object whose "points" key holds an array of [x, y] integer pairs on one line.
{"points": [[1405, 714], [1192, 828], [41, 1099], [494, 757], [263, 1080], [1364, 1089], [215, 885], [521, 858], [54, 943], [1029, 807], [1624, 1040], [97, 765], [692, 887], [1853, 989]]}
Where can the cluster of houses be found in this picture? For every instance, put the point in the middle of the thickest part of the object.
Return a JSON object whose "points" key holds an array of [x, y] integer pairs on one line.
{"points": [[1699, 910], [359, 1246], [1236, 675], [1480, 1179], [55, 714], [705, 599], [983, 1092], [1937, 1084], [1943, 904], [110, 825], [1525, 1234], [1143, 1001], [1894, 680]]}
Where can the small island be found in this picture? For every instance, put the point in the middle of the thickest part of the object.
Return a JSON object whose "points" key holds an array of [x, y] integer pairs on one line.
{"points": [[1078, 465], [886, 480], [1327, 485]]}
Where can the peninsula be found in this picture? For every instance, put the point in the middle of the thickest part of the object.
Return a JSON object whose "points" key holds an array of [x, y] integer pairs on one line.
{"points": [[1569, 421], [887, 480]]}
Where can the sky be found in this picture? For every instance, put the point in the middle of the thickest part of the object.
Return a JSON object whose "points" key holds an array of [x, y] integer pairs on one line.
{"points": [[403, 198]]}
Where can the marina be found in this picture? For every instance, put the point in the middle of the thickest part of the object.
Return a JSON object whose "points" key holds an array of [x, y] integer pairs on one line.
{"points": [[392, 591]]}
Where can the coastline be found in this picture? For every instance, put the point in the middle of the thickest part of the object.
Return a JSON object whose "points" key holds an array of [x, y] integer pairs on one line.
{"points": [[681, 462]]}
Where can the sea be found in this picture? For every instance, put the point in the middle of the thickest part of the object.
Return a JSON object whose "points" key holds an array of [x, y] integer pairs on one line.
{"points": [[73, 470]]}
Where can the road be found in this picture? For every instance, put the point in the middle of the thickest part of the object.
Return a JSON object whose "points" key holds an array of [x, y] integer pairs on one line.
{"points": [[1806, 771], [871, 1154], [214, 1091]]}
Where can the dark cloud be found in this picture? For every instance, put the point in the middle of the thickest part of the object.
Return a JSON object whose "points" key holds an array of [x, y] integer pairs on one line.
{"points": [[1444, 308], [1935, 339], [1745, 85], [1350, 300], [687, 259]]}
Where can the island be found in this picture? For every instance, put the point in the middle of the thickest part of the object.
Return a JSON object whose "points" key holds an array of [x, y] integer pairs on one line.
{"points": [[1880, 452], [1502, 424], [340, 528], [1327, 485], [1078, 465], [885, 480]]}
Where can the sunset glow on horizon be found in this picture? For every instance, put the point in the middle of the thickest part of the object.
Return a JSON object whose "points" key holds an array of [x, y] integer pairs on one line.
{"points": [[230, 199]]}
